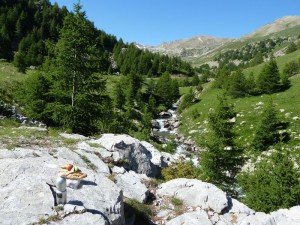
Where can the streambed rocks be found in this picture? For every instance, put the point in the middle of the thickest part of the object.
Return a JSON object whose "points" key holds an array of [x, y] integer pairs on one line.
{"points": [[168, 123]]}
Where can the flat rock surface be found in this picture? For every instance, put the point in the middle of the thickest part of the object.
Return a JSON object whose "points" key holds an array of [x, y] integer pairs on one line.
{"points": [[195, 193], [25, 196]]}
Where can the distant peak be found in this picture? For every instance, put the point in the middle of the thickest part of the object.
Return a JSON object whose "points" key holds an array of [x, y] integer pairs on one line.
{"points": [[278, 25]]}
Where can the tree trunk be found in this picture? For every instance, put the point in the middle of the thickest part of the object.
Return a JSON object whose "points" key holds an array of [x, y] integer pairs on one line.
{"points": [[73, 84]]}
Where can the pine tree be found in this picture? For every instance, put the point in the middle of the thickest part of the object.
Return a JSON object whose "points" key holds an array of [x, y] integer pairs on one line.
{"points": [[251, 85], [152, 105], [273, 185], [291, 48], [269, 79], [166, 90], [175, 90], [80, 99], [237, 85], [224, 157], [34, 97], [290, 69], [5, 44], [267, 131], [19, 62], [195, 80]]}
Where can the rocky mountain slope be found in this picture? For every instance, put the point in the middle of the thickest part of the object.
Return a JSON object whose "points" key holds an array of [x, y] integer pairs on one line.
{"points": [[201, 49], [198, 45], [276, 26], [118, 168]]}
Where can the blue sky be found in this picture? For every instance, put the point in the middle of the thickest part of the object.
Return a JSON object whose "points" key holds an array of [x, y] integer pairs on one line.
{"points": [[151, 22]]}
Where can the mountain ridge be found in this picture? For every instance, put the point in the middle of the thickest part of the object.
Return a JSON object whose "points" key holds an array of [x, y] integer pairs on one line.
{"points": [[195, 47], [280, 24]]}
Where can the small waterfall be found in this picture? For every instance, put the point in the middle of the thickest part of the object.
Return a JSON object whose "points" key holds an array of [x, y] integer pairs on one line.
{"points": [[181, 148], [163, 131], [162, 125]]}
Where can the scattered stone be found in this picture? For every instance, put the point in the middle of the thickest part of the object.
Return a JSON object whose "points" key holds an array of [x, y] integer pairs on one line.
{"points": [[243, 123], [287, 115], [155, 124], [165, 115], [73, 136], [232, 120], [118, 170], [33, 128], [193, 131]]}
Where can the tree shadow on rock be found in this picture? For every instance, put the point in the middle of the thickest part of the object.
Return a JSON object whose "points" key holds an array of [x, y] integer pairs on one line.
{"points": [[87, 182], [94, 211], [75, 202]]}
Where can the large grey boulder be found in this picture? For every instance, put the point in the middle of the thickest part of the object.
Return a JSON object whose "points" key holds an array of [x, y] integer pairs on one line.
{"points": [[287, 216], [25, 196], [235, 212], [134, 154], [259, 218], [195, 193], [191, 218], [132, 186], [160, 159], [165, 115], [155, 124]]}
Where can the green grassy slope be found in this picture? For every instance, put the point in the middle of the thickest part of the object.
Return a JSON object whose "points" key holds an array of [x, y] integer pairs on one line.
{"points": [[9, 77], [281, 61], [249, 109], [9, 73]]}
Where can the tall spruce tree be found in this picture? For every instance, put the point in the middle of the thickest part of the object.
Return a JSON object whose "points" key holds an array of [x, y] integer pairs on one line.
{"points": [[166, 90], [269, 79], [79, 93], [224, 157], [237, 85], [267, 131]]}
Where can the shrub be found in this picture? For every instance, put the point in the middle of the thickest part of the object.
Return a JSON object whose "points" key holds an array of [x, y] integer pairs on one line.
{"points": [[273, 185], [180, 170]]}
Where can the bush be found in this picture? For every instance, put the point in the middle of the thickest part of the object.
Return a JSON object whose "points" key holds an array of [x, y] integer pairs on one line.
{"points": [[291, 69], [170, 148], [180, 170], [273, 185], [291, 48]]}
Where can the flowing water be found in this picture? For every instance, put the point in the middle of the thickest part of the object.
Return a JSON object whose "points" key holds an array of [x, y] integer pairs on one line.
{"points": [[165, 132]]}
